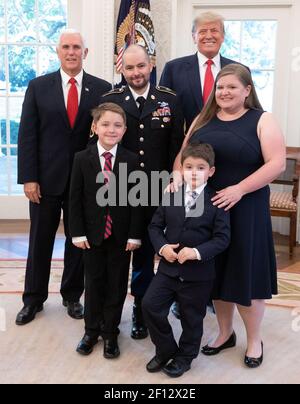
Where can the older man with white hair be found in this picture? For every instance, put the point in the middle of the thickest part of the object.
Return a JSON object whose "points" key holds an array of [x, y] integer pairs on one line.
{"points": [[55, 124]]}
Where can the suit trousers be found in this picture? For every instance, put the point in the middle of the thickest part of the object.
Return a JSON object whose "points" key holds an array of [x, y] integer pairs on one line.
{"points": [[106, 286], [193, 298], [142, 267], [45, 219]]}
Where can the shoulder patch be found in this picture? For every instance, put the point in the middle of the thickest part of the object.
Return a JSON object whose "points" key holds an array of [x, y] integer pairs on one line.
{"points": [[165, 90], [115, 91]]}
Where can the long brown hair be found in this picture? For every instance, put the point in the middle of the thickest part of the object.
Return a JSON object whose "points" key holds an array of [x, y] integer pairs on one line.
{"points": [[211, 108]]}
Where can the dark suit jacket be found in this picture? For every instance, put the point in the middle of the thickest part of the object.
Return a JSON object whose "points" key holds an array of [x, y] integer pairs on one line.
{"points": [[183, 76], [47, 143], [87, 218], [154, 136], [209, 233]]}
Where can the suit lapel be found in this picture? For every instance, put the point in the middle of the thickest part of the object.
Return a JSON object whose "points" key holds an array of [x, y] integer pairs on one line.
{"points": [[59, 96], [129, 104], [179, 210], [95, 158], [195, 82]]}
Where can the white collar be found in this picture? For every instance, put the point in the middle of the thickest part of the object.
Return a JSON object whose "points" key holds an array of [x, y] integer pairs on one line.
{"points": [[203, 59], [199, 190], [136, 96], [66, 78], [101, 150]]}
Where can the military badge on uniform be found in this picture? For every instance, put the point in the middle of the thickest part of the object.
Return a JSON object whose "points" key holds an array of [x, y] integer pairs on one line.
{"points": [[164, 111]]}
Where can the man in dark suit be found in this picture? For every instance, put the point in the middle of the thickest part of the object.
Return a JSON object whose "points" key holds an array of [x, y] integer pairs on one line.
{"points": [[55, 124], [191, 76], [155, 132], [188, 236]]}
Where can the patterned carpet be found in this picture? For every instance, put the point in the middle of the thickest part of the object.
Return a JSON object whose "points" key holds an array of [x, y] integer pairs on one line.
{"points": [[12, 276], [12, 273]]}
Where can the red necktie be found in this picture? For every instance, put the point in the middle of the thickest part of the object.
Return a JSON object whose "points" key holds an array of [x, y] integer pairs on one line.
{"points": [[209, 81], [106, 172], [72, 105]]}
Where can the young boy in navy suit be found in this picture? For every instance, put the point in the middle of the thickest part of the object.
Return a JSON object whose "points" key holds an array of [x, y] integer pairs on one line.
{"points": [[188, 236], [106, 232]]}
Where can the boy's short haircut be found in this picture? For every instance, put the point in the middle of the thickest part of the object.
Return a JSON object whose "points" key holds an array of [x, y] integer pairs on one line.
{"points": [[99, 111], [199, 151]]}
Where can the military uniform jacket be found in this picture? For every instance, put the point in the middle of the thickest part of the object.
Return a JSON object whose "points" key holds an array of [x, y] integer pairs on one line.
{"points": [[157, 134]]}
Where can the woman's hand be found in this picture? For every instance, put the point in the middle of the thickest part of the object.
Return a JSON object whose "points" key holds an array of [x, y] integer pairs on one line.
{"points": [[176, 184], [228, 197]]}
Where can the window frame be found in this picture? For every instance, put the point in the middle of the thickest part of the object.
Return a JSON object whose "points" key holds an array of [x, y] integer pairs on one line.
{"points": [[8, 95]]}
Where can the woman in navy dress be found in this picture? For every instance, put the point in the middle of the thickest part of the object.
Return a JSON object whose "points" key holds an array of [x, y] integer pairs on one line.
{"points": [[250, 154]]}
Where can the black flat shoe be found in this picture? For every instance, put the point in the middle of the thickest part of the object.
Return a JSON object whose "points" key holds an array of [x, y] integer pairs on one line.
{"points": [[86, 345], [27, 314], [254, 363], [139, 331], [111, 349], [210, 351], [156, 365], [75, 309], [175, 369]]}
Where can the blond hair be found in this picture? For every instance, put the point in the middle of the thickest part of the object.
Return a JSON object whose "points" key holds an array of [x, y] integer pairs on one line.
{"points": [[208, 17]]}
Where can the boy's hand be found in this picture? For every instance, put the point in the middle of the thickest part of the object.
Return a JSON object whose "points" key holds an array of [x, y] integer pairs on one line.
{"points": [[132, 247], [187, 254], [84, 245], [169, 254]]}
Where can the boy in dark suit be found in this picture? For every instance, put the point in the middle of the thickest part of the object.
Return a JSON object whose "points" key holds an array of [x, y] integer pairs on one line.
{"points": [[188, 236], [107, 232]]}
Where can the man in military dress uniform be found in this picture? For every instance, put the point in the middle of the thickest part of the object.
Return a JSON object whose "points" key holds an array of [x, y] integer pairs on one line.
{"points": [[155, 131]]}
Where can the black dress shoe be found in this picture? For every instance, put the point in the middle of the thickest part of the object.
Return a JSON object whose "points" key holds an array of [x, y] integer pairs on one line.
{"points": [[253, 363], [86, 345], [156, 364], [175, 369], [75, 309], [27, 314], [175, 309], [210, 351], [111, 349], [139, 329]]}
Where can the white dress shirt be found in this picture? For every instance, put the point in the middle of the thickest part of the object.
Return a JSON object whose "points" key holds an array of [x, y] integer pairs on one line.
{"points": [[215, 68], [136, 95], [101, 151], [65, 78], [188, 189]]}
